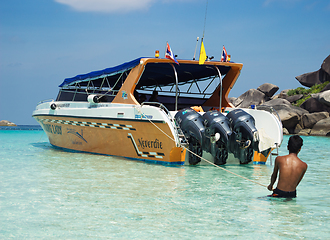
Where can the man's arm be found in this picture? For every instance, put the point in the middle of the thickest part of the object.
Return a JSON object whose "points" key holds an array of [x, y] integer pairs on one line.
{"points": [[274, 175], [302, 174]]}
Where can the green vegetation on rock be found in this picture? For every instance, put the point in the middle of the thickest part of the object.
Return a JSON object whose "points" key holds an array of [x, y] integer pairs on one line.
{"points": [[306, 92]]}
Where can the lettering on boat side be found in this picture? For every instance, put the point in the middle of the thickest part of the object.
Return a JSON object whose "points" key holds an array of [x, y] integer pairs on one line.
{"points": [[93, 105], [150, 144], [138, 116], [63, 105], [54, 129], [146, 143]]}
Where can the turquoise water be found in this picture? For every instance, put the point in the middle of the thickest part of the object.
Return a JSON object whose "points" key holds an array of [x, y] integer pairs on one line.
{"points": [[46, 193]]}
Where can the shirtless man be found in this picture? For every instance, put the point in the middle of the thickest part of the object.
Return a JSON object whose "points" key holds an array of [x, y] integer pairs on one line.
{"points": [[291, 169]]}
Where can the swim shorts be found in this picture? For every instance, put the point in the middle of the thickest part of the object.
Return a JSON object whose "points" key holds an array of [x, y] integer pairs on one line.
{"points": [[283, 194]]}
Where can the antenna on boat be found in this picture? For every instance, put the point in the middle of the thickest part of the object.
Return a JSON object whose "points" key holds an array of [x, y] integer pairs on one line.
{"points": [[196, 48], [207, 1], [204, 29]]}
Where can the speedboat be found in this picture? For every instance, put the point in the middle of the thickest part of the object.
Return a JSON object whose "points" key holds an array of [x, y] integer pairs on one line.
{"points": [[161, 111]]}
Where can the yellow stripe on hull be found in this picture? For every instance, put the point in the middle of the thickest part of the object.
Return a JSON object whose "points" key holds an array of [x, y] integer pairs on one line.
{"points": [[127, 138]]}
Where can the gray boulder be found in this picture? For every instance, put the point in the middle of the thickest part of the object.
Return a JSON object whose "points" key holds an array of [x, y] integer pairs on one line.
{"points": [[285, 131], [232, 100], [237, 102], [310, 79], [289, 115], [315, 95], [251, 97], [308, 120], [284, 93], [317, 77], [312, 105], [294, 98], [276, 96], [324, 98], [326, 65], [321, 128], [304, 132], [268, 89], [297, 129], [277, 101]]}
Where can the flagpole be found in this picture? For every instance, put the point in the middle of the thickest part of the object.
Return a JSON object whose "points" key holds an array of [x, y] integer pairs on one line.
{"points": [[165, 48]]}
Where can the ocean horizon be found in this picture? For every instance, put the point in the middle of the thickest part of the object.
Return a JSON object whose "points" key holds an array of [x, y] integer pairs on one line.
{"points": [[22, 127]]}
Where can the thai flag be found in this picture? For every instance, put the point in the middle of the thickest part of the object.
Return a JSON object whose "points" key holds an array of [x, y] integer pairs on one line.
{"points": [[169, 54], [224, 56]]}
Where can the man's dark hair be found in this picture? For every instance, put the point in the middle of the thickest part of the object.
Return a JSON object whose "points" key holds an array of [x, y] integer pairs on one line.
{"points": [[294, 144]]}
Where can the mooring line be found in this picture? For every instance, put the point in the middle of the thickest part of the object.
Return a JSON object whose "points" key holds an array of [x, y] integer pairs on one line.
{"points": [[41, 136], [200, 156]]}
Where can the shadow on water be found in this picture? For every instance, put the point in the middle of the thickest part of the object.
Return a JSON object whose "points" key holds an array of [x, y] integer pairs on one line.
{"points": [[276, 199], [43, 145]]}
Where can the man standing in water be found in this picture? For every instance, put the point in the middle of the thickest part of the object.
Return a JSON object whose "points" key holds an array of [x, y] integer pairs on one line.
{"points": [[291, 169]]}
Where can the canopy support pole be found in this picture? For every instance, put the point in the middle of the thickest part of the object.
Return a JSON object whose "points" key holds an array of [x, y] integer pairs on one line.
{"points": [[176, 87], [220, 102]]}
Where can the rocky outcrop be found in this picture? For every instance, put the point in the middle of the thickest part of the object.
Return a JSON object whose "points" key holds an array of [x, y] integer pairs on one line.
{"points": [[302, 120], [6, 123], [326, 65], [289, 115], [250, 97], [294, 98], [310, 79], [313, 105], [324, 98], [311, 118], [308, 120], [317, 77], [321, 128], [268, 89]]}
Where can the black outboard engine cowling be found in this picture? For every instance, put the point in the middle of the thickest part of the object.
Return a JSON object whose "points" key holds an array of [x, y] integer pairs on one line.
{"points": [[191, 124], [217, 136], [244, 139]]}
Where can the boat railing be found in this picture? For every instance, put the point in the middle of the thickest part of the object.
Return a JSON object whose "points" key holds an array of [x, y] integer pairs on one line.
{"points": [[172, 120], [159, 105], [44, 101]]}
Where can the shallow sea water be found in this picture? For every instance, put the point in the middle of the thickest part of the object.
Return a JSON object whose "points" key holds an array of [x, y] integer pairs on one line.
{"points": [[47, 193]]}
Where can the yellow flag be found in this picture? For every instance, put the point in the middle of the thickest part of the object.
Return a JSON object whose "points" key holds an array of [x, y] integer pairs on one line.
{"points": [[202, 54]]}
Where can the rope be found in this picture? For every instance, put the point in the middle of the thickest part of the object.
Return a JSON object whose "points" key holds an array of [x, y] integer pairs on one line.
{"points": [[43, 132], [225, 169], [200, 156]]}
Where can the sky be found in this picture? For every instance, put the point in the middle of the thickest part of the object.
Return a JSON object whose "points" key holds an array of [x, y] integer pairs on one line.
{"points": [[42, 42]]}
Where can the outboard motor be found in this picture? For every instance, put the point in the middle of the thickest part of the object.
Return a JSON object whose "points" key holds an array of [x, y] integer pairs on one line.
{"points": [[191, 124], [244, 139], [217, 136]]}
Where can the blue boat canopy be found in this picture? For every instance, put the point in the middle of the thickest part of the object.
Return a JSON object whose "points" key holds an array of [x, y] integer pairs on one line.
{"points": [[105, 72]]}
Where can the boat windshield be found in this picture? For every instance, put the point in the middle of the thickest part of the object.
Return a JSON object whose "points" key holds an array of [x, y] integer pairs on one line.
{"points": [[196, 83]]}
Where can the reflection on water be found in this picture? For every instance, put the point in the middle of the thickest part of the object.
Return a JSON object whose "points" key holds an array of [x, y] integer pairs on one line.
{"points": [[48, 193]]}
